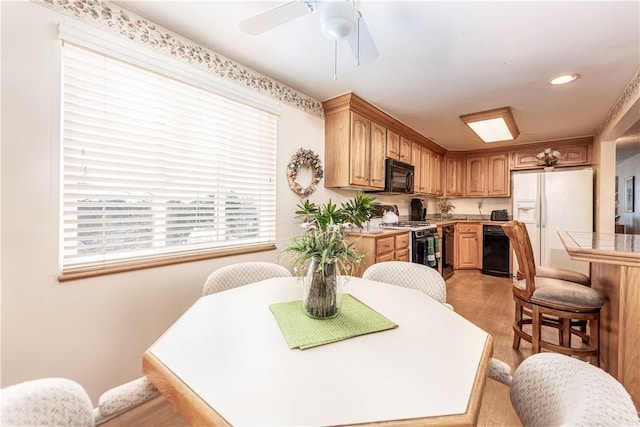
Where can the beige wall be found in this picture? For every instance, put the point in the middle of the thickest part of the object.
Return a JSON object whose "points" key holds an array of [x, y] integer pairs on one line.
{"points": [[623, 114], [93, 331]]}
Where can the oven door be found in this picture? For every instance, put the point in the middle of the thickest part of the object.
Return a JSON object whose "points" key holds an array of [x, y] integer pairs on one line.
{"points": [[424, 249]]}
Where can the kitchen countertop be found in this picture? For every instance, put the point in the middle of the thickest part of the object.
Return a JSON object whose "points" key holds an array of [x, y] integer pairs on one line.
{"points": [[454, 221], [608, 248], [387, 231], [615, 274], [382, 232]]}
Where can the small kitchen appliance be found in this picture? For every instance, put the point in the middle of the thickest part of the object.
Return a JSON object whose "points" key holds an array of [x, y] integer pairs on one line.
{"points": [[398, 178], [418, 210], [499, 215]]}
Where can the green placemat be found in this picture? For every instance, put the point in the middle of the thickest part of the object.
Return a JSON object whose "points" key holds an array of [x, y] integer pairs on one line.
{"points": [[301, 331]]}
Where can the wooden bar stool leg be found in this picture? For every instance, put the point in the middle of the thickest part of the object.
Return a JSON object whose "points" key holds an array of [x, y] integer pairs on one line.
{"points": [[594, 339], [536, 329], [517, 325], [565, 333]]}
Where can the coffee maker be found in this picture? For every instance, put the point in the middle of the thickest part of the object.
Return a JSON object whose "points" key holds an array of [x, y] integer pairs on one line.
{"points": [[418, 210]]}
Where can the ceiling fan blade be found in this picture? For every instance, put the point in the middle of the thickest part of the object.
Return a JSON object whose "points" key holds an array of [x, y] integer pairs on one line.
{"points": [[274, 17], [364, 49]]}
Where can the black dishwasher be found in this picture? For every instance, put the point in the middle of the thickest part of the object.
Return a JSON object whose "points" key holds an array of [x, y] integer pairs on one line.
{"points": [[495, 251]]}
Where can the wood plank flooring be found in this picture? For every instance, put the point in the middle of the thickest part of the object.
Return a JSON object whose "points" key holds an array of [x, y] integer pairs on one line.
{"points": [[484, 300]]}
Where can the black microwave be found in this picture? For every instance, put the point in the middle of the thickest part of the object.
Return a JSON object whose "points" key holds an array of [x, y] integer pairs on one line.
{"points": [[398, 177]]}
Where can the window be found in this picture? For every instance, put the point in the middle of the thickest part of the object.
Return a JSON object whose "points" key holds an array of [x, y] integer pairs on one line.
{"points": [[158, 169]]}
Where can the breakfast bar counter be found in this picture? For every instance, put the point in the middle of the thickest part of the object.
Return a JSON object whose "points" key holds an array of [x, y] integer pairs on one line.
{"points": [[615, 273]]}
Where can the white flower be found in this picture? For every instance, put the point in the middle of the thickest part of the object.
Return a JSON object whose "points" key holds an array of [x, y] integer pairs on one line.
{"points": [[556, 154], [540, 155]]}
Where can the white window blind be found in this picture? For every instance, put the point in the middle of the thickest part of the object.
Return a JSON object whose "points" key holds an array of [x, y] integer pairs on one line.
{"points": [[155, 168]]}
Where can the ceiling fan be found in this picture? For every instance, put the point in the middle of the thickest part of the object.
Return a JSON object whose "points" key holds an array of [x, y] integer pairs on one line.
{"points": [[339, 20]]}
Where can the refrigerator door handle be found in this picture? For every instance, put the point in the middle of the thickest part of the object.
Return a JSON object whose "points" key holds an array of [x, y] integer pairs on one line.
{"points": [[543, 202], [538, 201]]}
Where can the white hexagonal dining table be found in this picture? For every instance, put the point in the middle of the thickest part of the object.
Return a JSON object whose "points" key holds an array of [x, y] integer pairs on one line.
{"points": [[225, 361]]}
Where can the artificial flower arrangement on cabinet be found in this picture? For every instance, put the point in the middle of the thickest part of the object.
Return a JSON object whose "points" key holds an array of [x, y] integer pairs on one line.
{"points": [[549, 158], [321, 253], [445, 206]]}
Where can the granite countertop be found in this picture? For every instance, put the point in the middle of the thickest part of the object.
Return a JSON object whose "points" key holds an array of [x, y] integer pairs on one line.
{"points": [[378, 232], [482, 219], [609, 248]]}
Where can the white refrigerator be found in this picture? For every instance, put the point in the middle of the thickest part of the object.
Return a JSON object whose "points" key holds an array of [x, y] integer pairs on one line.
{"points": [[548, 202]]}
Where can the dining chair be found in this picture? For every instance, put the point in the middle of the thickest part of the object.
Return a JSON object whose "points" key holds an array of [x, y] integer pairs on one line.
{"points": [[124, 397], [543, 301], [499, 371], [243, 273], [549, 389], [410, 275], [63, 402], [46, 402]]}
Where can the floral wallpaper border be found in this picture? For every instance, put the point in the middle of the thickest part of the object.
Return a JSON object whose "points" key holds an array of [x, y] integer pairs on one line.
{"points": [[630, 91], [126, 24]]}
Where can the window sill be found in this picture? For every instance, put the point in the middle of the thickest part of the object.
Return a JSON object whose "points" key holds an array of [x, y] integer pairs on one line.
{"points": [[85, 274]]}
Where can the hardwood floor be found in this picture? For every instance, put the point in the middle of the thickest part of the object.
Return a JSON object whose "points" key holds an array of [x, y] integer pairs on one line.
{"points": [[487, 302], [484, 300]]}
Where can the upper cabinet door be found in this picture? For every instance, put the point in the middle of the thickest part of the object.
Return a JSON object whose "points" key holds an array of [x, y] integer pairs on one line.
{"points": [[393, 145], [416, 161], [436, 164], [454, 174], [425, 168], [377, 156], [405, 150], [360, 141], [475, 176], [498, 175]]}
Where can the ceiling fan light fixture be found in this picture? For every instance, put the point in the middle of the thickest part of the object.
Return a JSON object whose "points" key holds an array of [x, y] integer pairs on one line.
{"points": [[338, 19], [493, 125]]}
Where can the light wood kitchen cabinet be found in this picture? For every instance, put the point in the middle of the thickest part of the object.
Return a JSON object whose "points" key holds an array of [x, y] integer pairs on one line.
{"points": [[574, 155], [420, 156], [416, 161], [424, 170], [387, 246], [475, 172], [454, 173], [355, 149], [436, 165], [468, 245], [377, 155], [393, 145], [359, 152], [405, 150], [498, 182], [401, 250]]}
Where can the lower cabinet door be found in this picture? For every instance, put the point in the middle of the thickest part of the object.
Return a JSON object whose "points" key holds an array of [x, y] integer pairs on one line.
{"points": [[402, 255], [385, 257]]}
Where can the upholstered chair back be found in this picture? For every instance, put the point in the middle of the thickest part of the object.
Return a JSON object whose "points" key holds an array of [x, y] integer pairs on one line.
{"points": [[234, 275]]}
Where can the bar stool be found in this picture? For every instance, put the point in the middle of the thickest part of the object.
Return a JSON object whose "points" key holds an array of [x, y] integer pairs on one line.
{"points": [[544, 301]]}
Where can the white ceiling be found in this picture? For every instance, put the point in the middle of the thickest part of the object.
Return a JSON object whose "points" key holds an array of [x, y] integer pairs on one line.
{"points": [[441, 59]]}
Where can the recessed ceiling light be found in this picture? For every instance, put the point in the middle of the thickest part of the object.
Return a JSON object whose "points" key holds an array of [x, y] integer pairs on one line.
{"points": [[564, 79], [493, 125]]}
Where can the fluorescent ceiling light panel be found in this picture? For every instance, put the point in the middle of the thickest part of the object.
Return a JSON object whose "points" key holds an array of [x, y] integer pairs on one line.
{"points": [[493, 125]]}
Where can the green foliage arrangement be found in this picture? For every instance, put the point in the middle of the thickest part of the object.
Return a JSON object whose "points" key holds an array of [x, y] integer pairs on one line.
{"points": [[323, 238]]}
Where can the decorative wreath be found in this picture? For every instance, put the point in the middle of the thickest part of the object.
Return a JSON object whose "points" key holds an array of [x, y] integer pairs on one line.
{"points": [[304, 159]]}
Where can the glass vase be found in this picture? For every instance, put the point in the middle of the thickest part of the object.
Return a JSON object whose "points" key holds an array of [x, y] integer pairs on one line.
{"points": [[322, 290]]}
